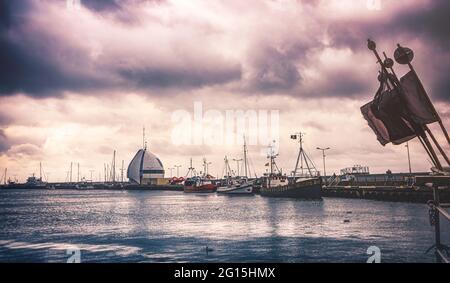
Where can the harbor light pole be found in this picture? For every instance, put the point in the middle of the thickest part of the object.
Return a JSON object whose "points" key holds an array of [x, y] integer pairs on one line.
{"points": [[178, 170], [409, 157], [323, 156]]}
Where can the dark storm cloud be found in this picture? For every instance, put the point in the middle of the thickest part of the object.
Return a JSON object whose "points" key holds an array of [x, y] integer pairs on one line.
{"points": [[274, 70], [27, 62], [118, 9], [113, 5], [190, 78], [40, 64], [102, 5], [4, 143], [28, 66], [11, 12], [342, 83], [429, 25]]}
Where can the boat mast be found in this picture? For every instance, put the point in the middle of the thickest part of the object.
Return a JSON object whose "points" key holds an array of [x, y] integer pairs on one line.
{"points": [[301, 156], [204, 166], [190, 169], [245, 158], [114, 167], [121, 173]]}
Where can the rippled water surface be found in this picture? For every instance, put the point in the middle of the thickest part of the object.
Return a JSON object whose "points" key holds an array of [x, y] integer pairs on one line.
{"points": [[142, 226]]}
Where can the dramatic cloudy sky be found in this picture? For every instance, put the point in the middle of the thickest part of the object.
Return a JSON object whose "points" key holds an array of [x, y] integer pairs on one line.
{"points": [[78, 82]]}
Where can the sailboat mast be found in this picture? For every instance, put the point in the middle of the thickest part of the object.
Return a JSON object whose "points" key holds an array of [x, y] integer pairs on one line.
{"points": [[271, 160], [114, 167], [245, 158], [40, 171]]}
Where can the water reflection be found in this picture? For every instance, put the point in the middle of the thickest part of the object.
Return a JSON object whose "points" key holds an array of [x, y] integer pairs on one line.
{"points": [[135, 226]]}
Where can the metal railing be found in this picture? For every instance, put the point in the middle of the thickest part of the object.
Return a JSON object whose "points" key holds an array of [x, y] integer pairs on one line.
{"points": [[437, 209]]}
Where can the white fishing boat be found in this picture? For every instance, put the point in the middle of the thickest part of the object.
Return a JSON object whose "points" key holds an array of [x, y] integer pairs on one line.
{"points": [[236, 185], [305, 184]]}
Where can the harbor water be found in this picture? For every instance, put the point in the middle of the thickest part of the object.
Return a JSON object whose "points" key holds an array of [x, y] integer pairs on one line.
{"points": [[151, 226]]}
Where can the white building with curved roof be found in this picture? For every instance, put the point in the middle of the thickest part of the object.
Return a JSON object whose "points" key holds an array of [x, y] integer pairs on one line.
{"points": [[145, 168]]}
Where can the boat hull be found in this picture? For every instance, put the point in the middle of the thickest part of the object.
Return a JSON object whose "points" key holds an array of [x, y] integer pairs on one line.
{"points": [[308, 189], [206, 189], [246, 189]]}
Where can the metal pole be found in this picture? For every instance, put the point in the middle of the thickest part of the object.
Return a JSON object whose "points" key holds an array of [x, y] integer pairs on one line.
{"points": [[437, 224], [438, 145], [427, 151], [178, 170], [433, 153], [245, 157], [300, 136], [324, 168], [114, 167], [409, 157]]}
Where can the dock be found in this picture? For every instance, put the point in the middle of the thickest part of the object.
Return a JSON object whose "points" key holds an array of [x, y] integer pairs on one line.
{"points": [[386, 193]]}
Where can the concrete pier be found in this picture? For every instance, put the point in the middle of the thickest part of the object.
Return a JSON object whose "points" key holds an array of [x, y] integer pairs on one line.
{"points": [[395, 194]]}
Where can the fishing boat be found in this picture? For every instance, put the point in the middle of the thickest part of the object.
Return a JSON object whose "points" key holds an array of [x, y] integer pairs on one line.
{"points": [[237, 185], [303, 184], [200, 184], [34, 182]]}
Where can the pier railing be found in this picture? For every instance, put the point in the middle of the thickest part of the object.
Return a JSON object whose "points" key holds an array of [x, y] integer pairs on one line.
{"points": [[437, 209]]}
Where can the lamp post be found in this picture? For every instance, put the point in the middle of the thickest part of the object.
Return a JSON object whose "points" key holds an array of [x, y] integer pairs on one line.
{"points": [[409, 157], [323, 156], [171, 172], [178, 170]]}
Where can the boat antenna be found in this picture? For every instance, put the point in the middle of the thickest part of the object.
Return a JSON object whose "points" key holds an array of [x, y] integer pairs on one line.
{"points": [[190, 169]]}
